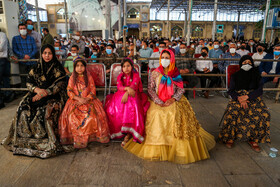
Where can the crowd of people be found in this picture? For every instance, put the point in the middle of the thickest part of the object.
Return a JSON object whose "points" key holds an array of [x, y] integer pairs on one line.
{"points": [[61, 111]]}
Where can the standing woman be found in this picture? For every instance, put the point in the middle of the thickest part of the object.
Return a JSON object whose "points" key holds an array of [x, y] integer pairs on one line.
{"points": [[247, 117], [172, 130], [34, 128]]}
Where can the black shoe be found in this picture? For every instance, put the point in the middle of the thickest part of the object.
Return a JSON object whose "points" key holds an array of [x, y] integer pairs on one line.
{"points": [[2, 105]]}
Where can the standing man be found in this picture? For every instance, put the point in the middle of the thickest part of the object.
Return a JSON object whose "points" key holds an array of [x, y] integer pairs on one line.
{"points": [[30, 31], [24, 47], [47, 39]]}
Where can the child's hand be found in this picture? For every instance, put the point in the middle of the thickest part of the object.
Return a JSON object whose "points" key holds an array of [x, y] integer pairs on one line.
{"points": [[124, 98], [131, 92]]}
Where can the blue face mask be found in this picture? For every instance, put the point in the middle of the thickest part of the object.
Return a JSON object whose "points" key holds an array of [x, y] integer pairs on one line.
{"points": [[276, 53], [56, 48], [29, 27], [157, 44], [108, 51]]}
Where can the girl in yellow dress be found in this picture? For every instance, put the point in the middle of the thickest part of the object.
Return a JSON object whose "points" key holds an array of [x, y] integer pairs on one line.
{"points": [[172, 130]]}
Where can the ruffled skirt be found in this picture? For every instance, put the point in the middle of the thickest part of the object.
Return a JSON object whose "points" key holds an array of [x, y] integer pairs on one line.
{"points": [[173, 134]]}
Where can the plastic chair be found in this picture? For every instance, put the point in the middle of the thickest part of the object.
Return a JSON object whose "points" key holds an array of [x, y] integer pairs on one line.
{"points": [[251, 54], [197, 55], [231, 69], [115, 71], [98, 73]]}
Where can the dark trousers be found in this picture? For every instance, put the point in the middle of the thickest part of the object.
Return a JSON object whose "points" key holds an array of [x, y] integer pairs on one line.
{"points": [[24, 69], [6, 76], [213, 80], [2, 71]]}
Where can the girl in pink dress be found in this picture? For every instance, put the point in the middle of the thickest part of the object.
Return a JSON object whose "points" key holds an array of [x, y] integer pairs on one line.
{"points": [[127, 108], [83, 119]]}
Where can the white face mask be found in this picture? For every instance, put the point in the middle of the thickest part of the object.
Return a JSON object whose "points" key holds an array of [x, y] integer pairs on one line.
{"points": [[246, 67], [165, 62], [182, 51], [216, 46], [73, 54], [143, 47], [232, 50], [23, 32], [192, 46], [160, 49], [94, 53]]}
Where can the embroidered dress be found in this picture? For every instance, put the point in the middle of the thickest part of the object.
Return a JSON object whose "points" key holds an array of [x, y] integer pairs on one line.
{"points": [[253, 123], [34, 128], [81, 124], [127, 117], [173, 132]]}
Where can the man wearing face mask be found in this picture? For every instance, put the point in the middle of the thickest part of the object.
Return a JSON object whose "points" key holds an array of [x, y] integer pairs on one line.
{"points": [[109, 54], [259, 54], [47, 39], [69, 65], [120, 48], [24, 47], [198, 48], [186, 67], [272, 67], [155, 63], [231, 54], [251, 46], [30, 31], [205, 67], [60, 53], [145, 52], [216, 52], [168, 45], [79, 42], [242, 51]]}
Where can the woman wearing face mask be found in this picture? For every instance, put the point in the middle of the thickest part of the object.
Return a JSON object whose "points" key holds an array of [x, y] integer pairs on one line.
{"points": [[172, 130], [247, 117]]}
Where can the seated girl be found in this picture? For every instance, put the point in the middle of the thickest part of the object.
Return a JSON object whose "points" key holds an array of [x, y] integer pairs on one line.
{"points": [[126, 109], [172, 130], [246, 117], [83, 119]]}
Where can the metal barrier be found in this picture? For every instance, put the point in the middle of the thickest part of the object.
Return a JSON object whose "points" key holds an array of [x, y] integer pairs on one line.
{"points": [[146, 74]]}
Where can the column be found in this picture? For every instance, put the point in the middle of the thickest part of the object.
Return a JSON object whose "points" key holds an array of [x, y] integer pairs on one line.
{"points": [[189, 22], [66, 19], [214, 28], [265, 20]]}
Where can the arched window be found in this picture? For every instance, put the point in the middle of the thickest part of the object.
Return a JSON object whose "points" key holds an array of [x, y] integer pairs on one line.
{"points": [[176, 31], [60, 14], [156, 30], [197, 31], [133, 13]]}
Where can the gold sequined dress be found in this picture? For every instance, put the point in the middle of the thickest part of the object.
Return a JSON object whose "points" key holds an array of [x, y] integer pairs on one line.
{"points": [[172, 133]]}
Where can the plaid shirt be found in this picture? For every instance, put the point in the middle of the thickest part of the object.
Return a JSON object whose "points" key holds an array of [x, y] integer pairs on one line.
{"points": [[108, 63], [22, 47], [183, 64], [224, 64]]}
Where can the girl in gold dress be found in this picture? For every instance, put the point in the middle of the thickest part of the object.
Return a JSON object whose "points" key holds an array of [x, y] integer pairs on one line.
{"points": [[172, 130]]}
